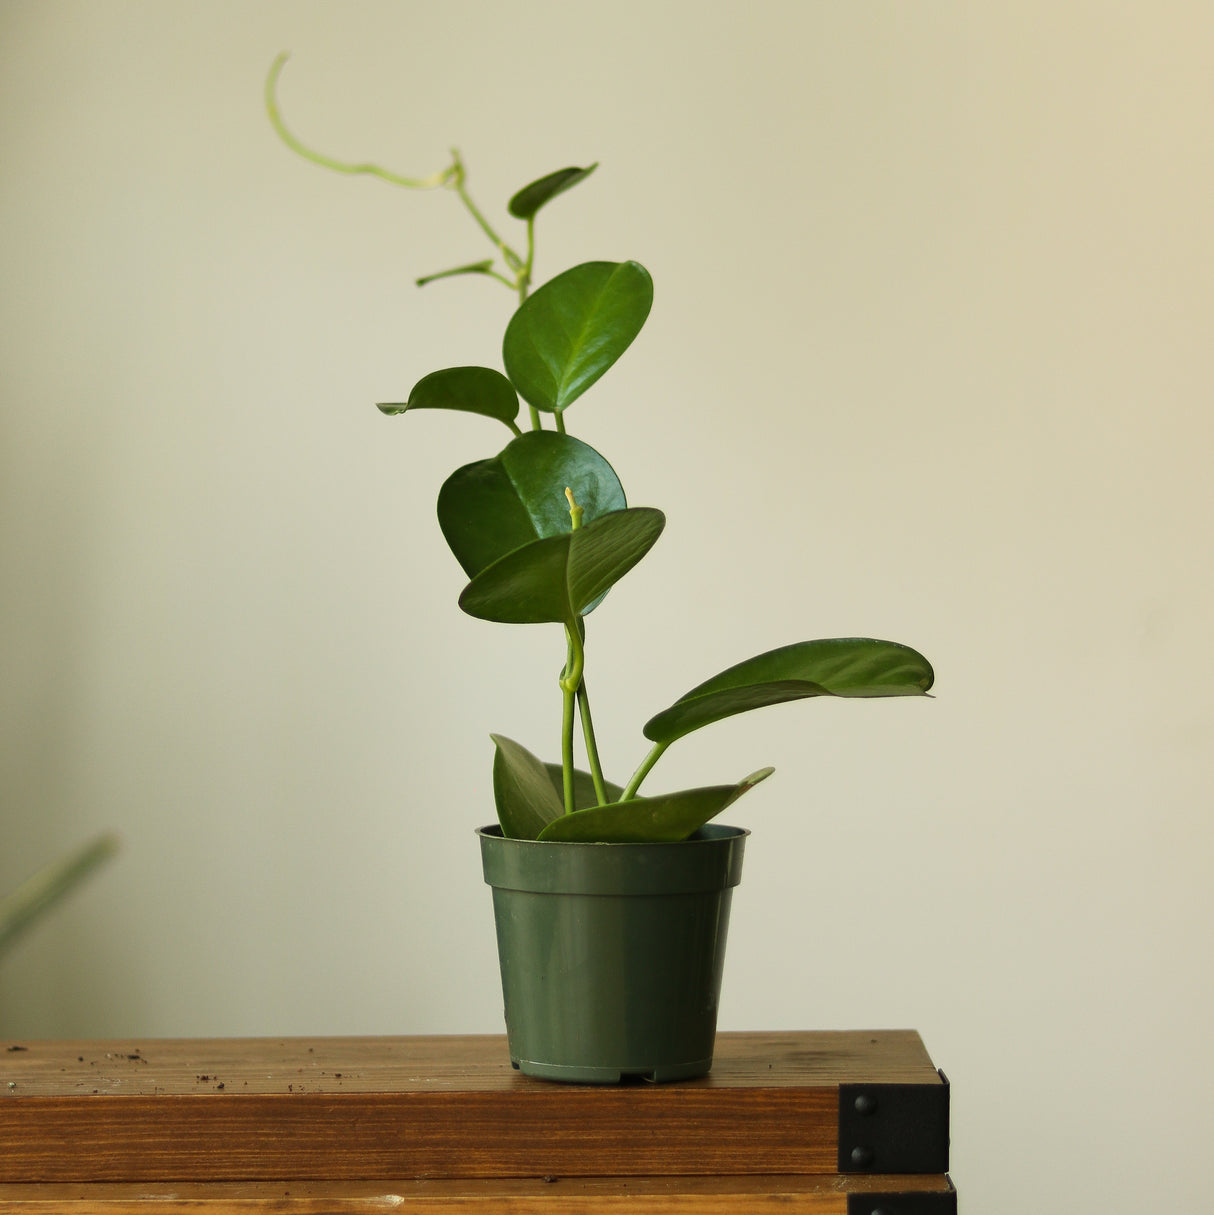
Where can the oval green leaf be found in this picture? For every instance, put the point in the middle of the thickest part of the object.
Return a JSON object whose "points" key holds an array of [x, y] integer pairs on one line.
{"points": [[466, 389], [490, 508], [566, 335], [523, 791], [554, 580], [535, 194], [645, 820], [840, 666]]}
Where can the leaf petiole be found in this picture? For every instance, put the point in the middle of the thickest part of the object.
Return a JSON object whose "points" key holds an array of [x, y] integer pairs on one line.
{"points": [[592, 749], [630, 790]]}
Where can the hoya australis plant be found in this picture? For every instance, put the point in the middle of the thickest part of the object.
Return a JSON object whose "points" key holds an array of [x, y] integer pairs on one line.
{"points": [[543, 531]]}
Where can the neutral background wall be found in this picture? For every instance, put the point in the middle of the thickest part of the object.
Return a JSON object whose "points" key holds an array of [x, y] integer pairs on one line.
{"points": [[929, 360]]}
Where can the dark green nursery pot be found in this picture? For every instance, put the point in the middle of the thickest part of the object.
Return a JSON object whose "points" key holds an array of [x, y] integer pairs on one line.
{"points": [[611, 954]]}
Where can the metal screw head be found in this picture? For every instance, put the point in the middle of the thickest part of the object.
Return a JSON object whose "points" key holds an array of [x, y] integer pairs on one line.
{"points": [[880, 1211], [862, 1157], [865, 1104]]}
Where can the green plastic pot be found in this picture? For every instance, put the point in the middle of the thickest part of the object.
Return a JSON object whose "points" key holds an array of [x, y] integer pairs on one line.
{"points": [[611, 954]]}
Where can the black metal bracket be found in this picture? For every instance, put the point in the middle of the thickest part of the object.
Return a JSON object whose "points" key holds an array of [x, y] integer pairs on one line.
{"points": [[903, 1204], [894, 1128]]}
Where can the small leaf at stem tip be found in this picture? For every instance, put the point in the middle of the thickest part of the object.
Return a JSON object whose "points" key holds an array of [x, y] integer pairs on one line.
{"points": [[483, 267], [533, 196]]}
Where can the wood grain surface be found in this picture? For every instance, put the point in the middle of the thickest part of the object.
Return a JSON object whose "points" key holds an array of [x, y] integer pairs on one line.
{"points": [[330, 1109], [791, 1195]]}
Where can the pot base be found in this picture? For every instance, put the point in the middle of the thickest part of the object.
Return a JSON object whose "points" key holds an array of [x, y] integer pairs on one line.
{"points": [[611, 1075]]}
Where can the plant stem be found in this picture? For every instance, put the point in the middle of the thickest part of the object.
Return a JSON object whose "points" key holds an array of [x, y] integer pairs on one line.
{"points": [[592, 749], [338, 166], [639, 775], [456, 181], [567, 698], [573, 686], [524, 278], [522, 285], [453, 176]]}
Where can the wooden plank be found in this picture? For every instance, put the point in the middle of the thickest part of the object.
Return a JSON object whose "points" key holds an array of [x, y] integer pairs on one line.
{"points": [[789, 1195], [433, 1107]]}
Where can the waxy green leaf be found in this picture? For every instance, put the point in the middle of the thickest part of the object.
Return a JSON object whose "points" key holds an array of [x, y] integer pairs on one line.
{"points": [[554, 580], [643, 820], [530, 794], [466, 389], [525, 797], [571, 330], [533, 196], [494, 506], [841, 666]]}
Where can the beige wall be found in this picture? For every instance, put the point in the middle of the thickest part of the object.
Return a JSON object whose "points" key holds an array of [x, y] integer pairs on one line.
{"points": [[930, 360]]}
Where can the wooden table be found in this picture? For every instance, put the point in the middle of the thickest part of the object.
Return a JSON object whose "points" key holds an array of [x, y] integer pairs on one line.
{"points": [[851, 1123]]}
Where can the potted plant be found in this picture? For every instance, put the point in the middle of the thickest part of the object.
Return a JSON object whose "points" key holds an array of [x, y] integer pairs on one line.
{"points": [[611, 905]]}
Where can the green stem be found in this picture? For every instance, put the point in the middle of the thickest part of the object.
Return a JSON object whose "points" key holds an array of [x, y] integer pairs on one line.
{"points": [[567, 747], [573, 686], [523, 285], [509, 256], [571, 680], [592, 749], [453, 176], [560, 422], [339, 166], [639, 775], [575, 511], [524, 279]]}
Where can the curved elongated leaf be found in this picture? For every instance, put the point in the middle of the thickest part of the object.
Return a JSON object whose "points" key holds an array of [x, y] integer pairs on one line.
{"points": [[485, 266], [523, 791], [573, 328], [490, 508], [21, 907], [584, 795], [535, 194], [467, 389], [644, 820], [555, 579], [840, 666]]}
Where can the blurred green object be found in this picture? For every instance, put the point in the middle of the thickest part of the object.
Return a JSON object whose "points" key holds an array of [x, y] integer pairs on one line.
{"points": [[21, 908]]}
